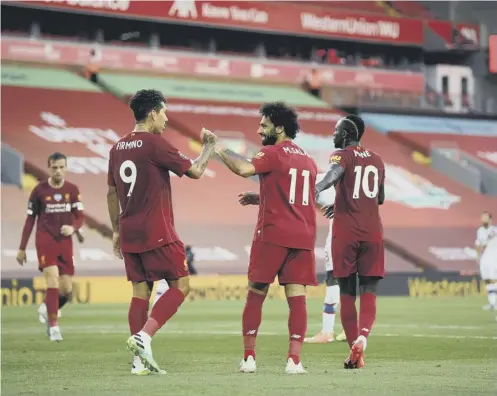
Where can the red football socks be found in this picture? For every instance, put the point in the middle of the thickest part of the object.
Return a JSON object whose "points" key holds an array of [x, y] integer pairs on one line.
{"points": [[137, 314], [165, 307], [297, 326], [367, 313], [348, 316], [251, 320], [52, 303]]}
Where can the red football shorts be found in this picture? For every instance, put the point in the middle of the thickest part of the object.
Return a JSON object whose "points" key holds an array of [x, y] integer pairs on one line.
{"points": [[293, 266], [367, 258], [165, 262], [57, 253]]}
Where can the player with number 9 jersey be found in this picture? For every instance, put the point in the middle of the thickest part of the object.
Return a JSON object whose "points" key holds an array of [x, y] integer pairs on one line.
{"points": [[140, 207], [139, 168]]}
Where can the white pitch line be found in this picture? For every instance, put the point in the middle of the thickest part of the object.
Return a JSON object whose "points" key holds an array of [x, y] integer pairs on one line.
{"points": [[124, 330]]}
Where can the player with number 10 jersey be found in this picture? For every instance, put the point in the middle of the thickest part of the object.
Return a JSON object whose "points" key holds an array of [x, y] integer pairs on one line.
{"points": [[358, 175]]}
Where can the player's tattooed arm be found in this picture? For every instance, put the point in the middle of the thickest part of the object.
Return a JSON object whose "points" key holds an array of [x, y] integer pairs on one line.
{"points": [[200, 164], [113, 206], [235, 163], [334, 173]]}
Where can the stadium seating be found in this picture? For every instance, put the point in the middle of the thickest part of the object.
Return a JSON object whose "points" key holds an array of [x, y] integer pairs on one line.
{"points": [[94, 257], [212, 221], [413, 9], [482, 147], [369, 7]]}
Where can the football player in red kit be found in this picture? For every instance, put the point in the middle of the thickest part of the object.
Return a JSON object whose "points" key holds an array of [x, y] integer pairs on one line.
{"points": [[285, 234], [57, 205], [358, 175], [141, 212]]}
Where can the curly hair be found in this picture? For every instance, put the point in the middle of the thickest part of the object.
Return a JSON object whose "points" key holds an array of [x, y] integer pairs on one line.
{"points": [[282, 115], [144, 101]]}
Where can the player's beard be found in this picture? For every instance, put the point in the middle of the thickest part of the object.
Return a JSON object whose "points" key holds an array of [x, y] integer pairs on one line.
{"points": [[339, 142], [270, 139]]}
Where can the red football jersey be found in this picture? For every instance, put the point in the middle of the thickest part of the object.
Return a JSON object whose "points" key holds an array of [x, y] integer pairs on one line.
{"points": [[139, 166], [287, 209], [54, 208], [357, 213]]}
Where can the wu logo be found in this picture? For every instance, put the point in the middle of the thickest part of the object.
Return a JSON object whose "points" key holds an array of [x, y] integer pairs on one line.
{"points": [[184, 9]]}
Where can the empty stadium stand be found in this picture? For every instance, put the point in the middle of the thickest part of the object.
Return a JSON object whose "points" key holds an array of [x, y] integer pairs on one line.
{"points": [[93, 257], [207, 213]]}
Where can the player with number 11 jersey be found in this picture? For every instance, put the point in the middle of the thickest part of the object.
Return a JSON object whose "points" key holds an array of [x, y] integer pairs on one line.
{"points": [[285, 234]]}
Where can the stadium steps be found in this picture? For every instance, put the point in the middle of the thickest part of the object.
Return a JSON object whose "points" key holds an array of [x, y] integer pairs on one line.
{"points": [[389, 10], [391, 246]]}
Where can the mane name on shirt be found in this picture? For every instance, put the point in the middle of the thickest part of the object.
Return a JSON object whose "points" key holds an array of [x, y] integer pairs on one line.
{"points": [[362, 154], [129, 145], [293, 150]]}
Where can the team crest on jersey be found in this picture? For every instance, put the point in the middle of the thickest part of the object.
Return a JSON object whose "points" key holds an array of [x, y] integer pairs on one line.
{"points": [[48, 198], [335, 159], [57, 197], [259, 155], [67, 196], [79, 197]]}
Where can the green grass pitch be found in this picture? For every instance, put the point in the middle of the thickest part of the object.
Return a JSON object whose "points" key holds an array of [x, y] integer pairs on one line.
{"points": [[439, 346]]}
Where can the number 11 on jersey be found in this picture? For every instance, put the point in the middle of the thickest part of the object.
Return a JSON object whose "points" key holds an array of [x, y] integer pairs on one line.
{"points": [[293, 186]]}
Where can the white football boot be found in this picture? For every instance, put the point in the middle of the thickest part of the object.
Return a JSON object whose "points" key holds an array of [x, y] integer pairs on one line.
{"points": [[248, 366]]}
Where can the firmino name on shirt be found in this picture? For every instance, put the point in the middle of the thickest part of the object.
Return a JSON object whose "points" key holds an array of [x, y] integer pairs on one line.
{"points": [[293, 150], [129, 145]]}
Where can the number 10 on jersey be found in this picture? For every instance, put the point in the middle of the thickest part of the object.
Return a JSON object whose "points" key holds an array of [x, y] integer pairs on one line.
{"points": [[293, 186]]}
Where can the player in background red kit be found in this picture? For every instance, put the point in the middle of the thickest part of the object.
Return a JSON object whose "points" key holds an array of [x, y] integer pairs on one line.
{"points": [[141, 212], [57, 205], [358, 175], [285, 234]]}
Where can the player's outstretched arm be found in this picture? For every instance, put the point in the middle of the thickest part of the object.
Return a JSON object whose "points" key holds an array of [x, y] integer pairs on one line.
{"points": [[200, 164], [333, 174], [237, 165]]}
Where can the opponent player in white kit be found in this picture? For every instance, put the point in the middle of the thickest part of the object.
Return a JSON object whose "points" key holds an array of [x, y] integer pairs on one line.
{"points": [[486, 247], [162, 287], [332, 297]]}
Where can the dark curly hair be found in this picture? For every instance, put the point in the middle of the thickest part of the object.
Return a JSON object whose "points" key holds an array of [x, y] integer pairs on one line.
{"points": [[282, 115], [145, 101]]}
